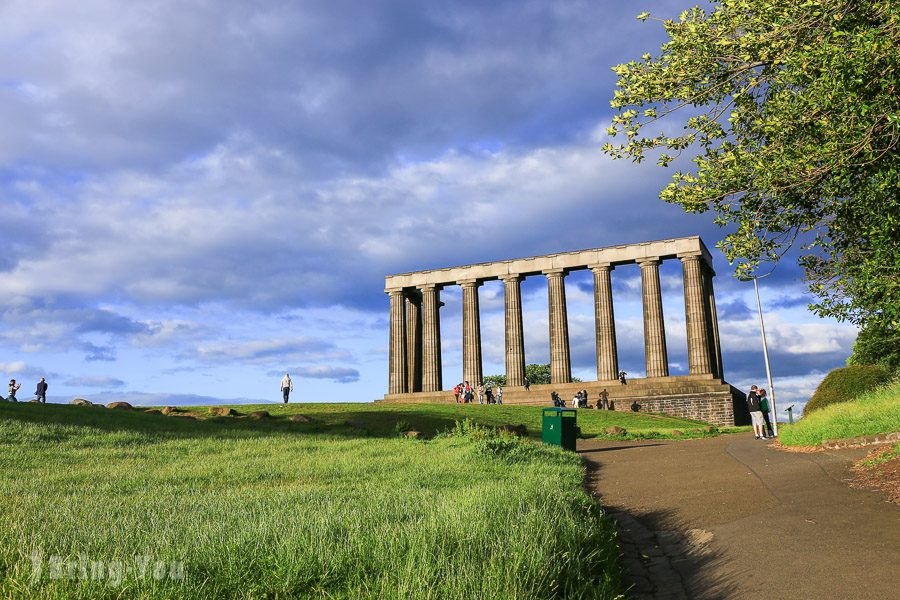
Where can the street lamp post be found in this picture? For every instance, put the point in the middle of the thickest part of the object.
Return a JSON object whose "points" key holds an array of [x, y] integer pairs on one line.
{"points": [[762, 329]]}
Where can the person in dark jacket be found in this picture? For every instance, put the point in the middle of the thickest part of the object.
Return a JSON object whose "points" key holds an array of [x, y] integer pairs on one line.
{"points": [[756, 416], [40, 393]]}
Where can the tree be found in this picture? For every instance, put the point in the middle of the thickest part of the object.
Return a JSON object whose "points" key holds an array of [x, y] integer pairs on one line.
{"points": [[536, 375], [792, 118], [877, 344]]}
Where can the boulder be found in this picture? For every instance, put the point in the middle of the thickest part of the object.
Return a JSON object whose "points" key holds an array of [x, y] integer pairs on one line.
{"points": [[119, 405], [614, 430], [677, 433], [34, 401], [257, 415], [168, 410], [710, 429], [81, 402], [299, 419], [412, 434], [517, 430], [222, 411]]}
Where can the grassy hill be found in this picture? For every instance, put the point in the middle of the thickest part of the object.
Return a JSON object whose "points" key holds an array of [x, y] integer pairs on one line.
{"points": [[871, 413], [100, 503]]}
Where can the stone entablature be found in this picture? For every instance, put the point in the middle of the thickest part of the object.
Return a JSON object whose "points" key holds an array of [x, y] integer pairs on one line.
{"points": [[567, 261], [415, 353]]}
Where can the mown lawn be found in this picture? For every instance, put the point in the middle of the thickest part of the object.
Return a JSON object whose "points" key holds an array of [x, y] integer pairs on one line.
{"points": [[96, 503], [383, 419], [871, 413]]}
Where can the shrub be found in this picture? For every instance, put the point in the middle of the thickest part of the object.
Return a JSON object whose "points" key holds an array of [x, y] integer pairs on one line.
{"points": [[846, 384]]}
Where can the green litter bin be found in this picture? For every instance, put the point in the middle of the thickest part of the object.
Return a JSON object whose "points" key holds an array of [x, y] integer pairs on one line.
{"points": [[559, 427]]}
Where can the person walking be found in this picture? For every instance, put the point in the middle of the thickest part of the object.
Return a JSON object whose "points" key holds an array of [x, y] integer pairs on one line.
{"points": [[40, 394], [287, 386], [756, 416], [622, 379], [764, 407], [13, 388]]}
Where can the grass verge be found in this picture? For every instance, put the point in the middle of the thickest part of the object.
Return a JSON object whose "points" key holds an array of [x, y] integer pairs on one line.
{"points": [[97, 503], [871, 413]]}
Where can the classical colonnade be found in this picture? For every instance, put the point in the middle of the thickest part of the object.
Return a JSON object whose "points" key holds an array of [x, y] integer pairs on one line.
{"points": [[415, 329]]}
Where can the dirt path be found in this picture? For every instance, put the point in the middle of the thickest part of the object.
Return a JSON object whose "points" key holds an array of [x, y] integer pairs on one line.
{"points": [[729, 517]]}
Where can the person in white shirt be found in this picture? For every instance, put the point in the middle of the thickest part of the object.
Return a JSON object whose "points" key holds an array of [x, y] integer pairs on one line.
{"points": [[287, 386]]}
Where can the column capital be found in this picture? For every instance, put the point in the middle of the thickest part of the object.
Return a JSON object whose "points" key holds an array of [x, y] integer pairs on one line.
{"points": [[648, 260], [394, 291], [511, 277], [688, 256], [554, 273], [471, 283], [601, 267], [431, 287]]}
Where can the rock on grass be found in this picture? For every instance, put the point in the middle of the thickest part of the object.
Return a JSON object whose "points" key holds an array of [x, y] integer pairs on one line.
{"points": [[120, 405]]}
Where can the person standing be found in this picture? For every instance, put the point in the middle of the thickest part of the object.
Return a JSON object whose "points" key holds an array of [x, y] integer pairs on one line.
{"points": [[13, 388], [527, 384], [480, 393], [622, 379], [756, 416], [764, 407], [287, 386], [603, 401], [489, 393], [499, 394], [40, 393]]}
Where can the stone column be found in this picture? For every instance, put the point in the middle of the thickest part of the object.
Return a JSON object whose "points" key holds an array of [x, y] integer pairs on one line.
{"points": [[398, 381], [605, 324], [471, 332], [431, 338], [515, 338], [695, 312], [654, 327], [560, 361], [715, 349], [414, 340]]}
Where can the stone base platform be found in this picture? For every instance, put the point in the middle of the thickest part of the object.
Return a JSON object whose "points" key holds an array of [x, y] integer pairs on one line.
{"points": [[699, 397]]}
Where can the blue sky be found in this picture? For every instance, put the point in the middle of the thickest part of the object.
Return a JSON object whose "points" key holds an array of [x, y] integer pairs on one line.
{"points": [[199, 196]]}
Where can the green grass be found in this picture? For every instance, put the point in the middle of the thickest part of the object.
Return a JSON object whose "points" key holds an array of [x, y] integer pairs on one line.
{"points": [[381, 419], [273, 509], [874, 412]]}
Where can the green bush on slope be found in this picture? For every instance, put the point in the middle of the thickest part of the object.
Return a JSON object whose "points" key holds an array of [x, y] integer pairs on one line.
{"points": [[846, 384]]}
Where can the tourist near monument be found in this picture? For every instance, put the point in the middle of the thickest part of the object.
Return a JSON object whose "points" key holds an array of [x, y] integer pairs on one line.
{"points": [[703, 394]]}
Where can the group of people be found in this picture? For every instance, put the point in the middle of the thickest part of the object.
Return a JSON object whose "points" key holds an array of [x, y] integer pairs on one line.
{"points": [[40, 394], [580, 400], [758, 404], [465, 393]]}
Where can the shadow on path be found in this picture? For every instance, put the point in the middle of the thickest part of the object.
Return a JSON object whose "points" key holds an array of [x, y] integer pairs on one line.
{"points": [[731, 517]]}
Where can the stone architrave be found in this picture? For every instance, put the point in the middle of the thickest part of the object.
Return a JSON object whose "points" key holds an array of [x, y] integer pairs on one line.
{"points": [[695, 312], [399, 376], [605, 323], [515, 338], [654, 325], [414, 340], [560, 360], [715, 349], [471, 332], [431, 338]]}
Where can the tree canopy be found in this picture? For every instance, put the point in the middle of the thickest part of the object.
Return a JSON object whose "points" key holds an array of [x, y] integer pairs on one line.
{"points": [[790, 112]]}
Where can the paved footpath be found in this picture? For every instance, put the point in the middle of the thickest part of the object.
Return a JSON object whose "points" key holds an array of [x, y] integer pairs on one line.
{"points": [[731, 518]]}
